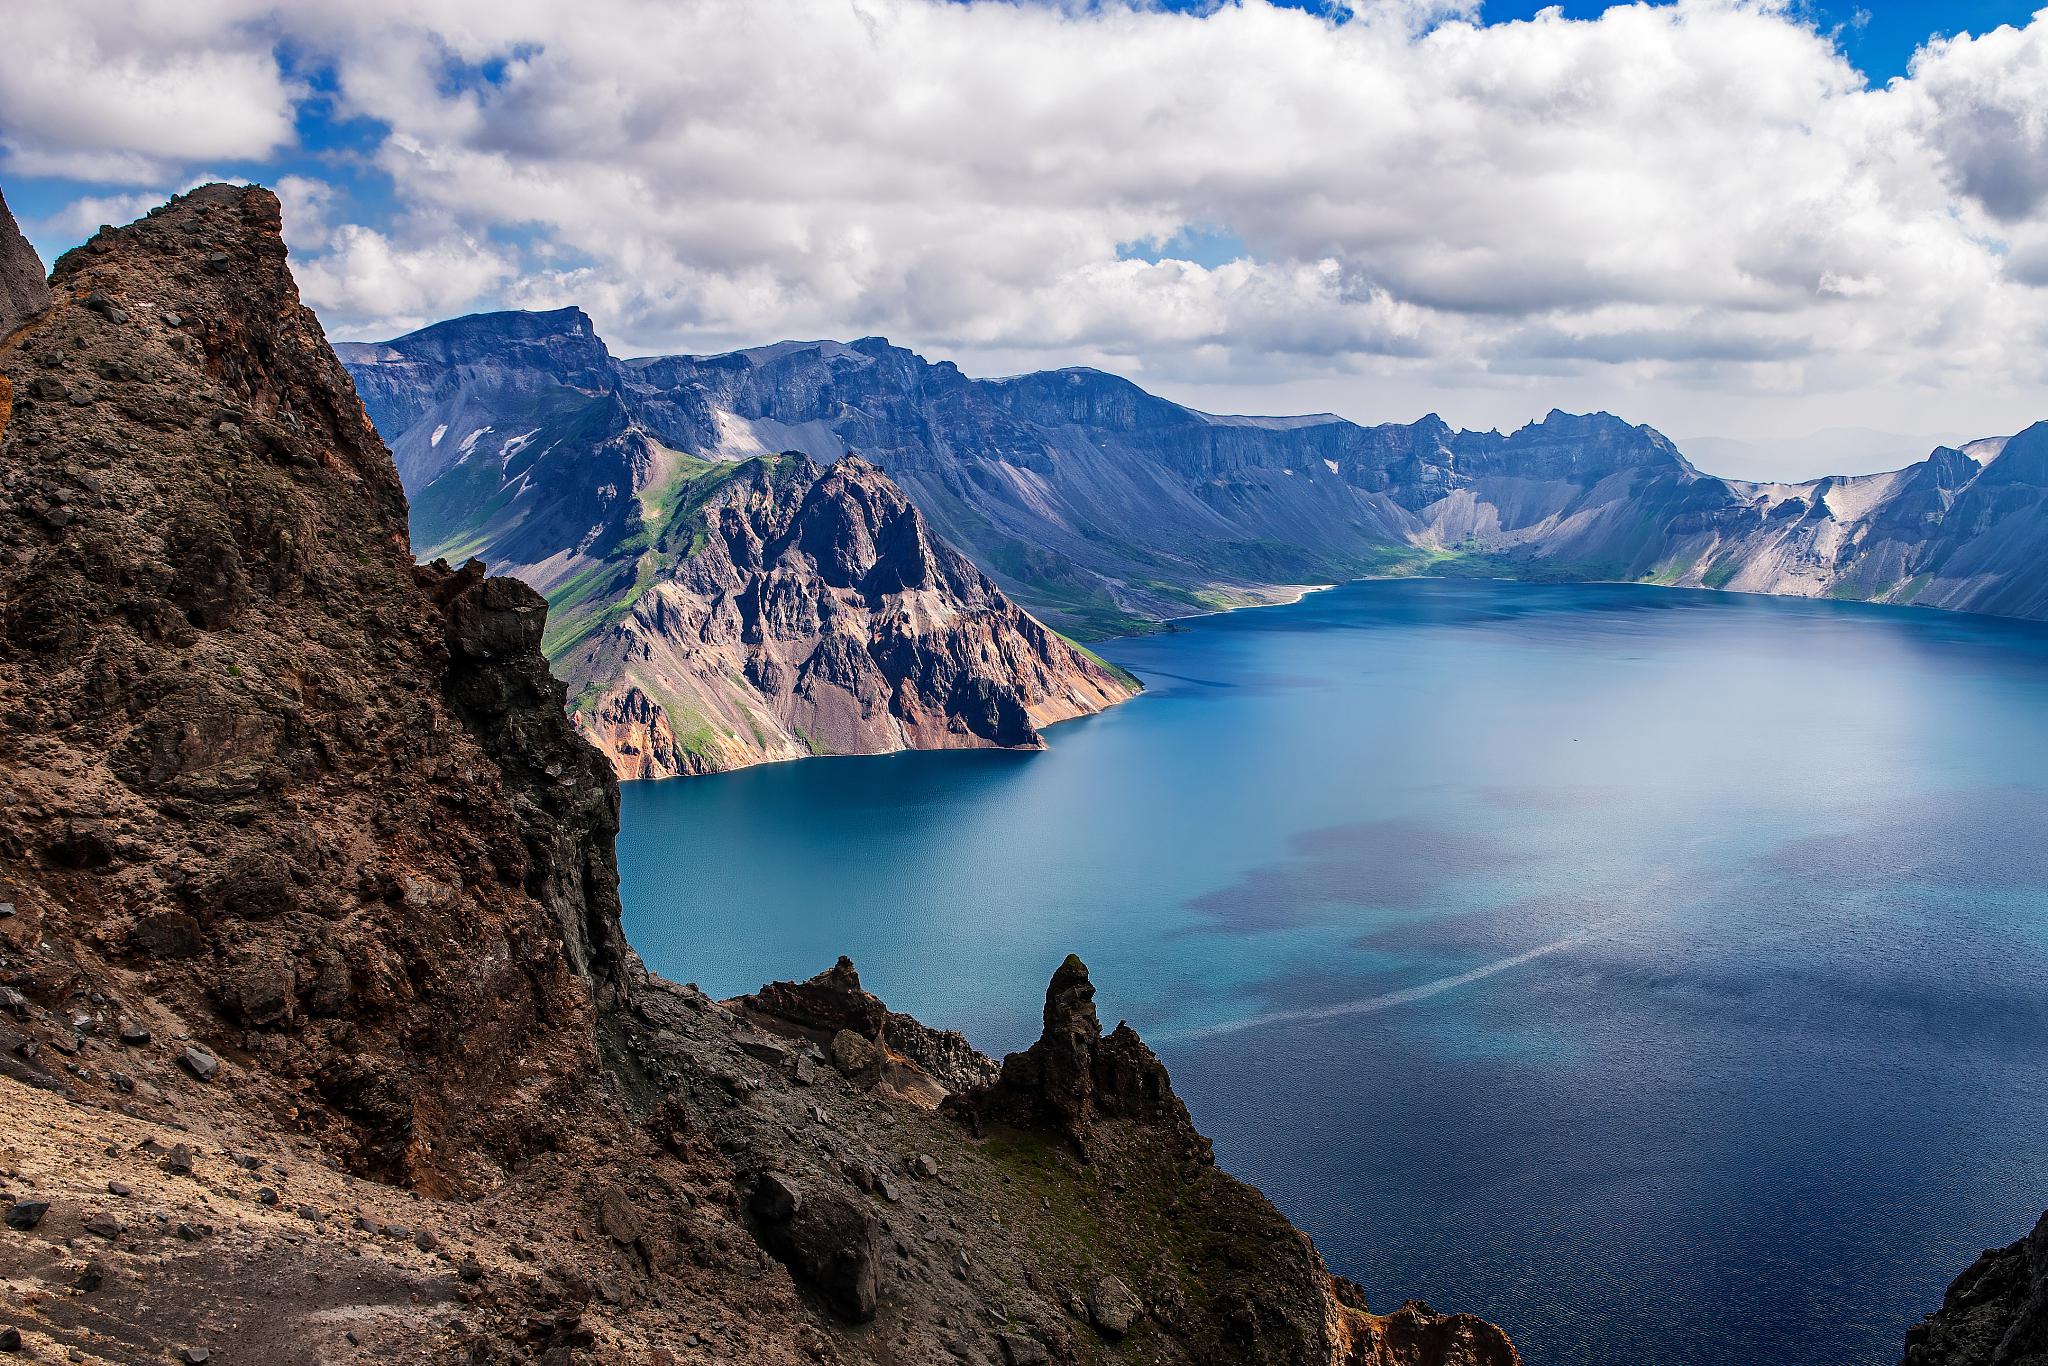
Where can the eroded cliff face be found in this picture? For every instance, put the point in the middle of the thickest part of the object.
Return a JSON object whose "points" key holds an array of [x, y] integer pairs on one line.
{"points": [[318, 1040], [235, 705], [781, 610]]}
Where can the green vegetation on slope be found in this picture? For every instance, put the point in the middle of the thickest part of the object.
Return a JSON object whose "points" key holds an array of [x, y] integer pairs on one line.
{"points": [[667, 527], [1117, 671]]}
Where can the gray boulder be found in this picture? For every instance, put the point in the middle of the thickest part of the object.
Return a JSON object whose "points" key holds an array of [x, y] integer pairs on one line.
{"points": [[1113, 1307]]}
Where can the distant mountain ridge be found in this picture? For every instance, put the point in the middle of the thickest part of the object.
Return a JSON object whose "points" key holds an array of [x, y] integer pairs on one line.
{"points": [[707, 613], [1812, 455], [1103, 508]]}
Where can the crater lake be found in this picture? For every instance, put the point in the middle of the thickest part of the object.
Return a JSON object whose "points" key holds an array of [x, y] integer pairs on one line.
{"points": [[1661, 974]]}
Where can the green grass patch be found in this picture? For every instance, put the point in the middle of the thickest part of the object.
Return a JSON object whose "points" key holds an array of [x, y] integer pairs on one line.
{"points": [[1116, 671], [1672, 573]]}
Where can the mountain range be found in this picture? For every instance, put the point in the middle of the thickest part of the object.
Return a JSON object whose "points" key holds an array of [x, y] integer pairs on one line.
{"points": [[1104, 509]]}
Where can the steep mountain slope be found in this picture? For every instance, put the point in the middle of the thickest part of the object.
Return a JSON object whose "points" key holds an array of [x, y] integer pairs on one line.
{"points": [[708, 614], [212, 636], [780, 610], [318, 1038], [1103, 508]]}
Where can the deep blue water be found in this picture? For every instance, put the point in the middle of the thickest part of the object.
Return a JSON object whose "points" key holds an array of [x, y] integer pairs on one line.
{"points": [[1661, 974]]}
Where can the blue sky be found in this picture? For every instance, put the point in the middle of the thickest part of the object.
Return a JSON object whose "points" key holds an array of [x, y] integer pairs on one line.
{"points": [[1879, 37], [1692, 213]]}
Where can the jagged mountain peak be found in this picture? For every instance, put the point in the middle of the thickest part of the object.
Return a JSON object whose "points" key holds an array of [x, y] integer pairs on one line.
{"points": [[519, 324], [1596, 420], [825, 350], [1598, 424], [225, 584], [562, 340], [782, 607]]}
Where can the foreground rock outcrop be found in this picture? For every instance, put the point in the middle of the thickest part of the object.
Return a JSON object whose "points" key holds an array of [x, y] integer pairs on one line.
{"points": [[1996, 1313], [1073, 1078], [780, 610], [318, 1038], [236, 709]]}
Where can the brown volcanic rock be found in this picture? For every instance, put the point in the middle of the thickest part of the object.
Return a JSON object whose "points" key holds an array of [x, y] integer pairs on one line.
{"points": [[239, 710], [793, 611], [1073, 1076], [316, 951], [1416, 1333], [1996, 1313], [831, 1001], [834, 1003]]}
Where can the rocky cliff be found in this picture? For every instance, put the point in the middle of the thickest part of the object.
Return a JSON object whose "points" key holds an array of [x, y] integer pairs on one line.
{"points": [[226, 681], [780, 610], [1996, 1313], [23, 292], [1103, 508], [318, 1038]]}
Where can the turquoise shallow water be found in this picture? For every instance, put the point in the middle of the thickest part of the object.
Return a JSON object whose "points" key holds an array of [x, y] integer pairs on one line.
{"points": [[1662, 974]]}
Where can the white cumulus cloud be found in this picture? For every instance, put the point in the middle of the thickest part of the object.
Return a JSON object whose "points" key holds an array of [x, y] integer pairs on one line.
{"points": [[137, 90], [1693, 212]]}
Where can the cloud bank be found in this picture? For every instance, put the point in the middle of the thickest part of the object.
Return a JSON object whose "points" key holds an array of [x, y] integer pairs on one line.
{"points": [[1701, 203]]}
